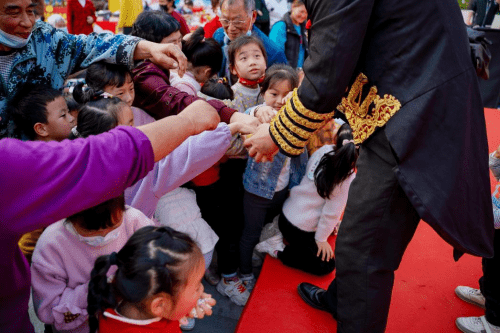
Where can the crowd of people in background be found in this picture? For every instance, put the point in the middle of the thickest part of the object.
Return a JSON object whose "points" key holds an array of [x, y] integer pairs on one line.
{"points": [[134, 257]]}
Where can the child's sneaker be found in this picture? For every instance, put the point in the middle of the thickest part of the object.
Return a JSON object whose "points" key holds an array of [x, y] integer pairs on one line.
{"points": [[470, 295], [212, 277], [234, 289], [272, 245], [248, 281], [189, 326]]}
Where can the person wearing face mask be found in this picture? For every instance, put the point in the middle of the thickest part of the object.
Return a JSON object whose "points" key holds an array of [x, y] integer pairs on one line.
{"points": [[237, 18], [290, 34], [37, 53]]}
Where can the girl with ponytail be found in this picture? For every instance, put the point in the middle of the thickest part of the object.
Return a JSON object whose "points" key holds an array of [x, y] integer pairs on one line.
{"points": [[157, 282], [314, 208], [204, 57]]}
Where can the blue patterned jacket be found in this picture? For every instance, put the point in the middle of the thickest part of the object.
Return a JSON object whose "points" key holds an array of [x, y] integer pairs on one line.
{"points": [[51, 55]]}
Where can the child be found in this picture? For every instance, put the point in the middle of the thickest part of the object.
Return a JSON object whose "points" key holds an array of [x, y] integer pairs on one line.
{"points": [[314, 208], [219, 195], [266, 184], [247, 60], [204, 61], [156, 283], [65, 255], [41, 114]]}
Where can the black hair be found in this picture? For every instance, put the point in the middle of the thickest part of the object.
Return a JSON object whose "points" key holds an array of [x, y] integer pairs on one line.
{"points": [[241, 41], [201, 51], [335, 166], [154, 25], [72, 104], [153, 260], [218, 88], [98, 113], [29, 107], [101, 74], [277, 73]]}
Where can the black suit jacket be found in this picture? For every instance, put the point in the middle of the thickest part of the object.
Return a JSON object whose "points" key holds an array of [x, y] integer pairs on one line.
{"points": [[418, 52]]}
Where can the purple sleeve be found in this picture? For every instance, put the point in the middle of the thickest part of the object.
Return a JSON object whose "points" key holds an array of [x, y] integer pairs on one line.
{"points": [[43, 182], [192, 157]]}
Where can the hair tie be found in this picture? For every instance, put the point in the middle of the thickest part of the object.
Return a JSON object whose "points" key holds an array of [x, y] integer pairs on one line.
{"points": [[345, 141], [75, 132], [113, 260], [222, 80]]}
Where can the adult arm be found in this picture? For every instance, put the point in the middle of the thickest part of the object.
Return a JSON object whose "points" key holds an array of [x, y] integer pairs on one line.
{"points": [[43, 182], [158, 98], [192, 157], [278, 35], [336, 36]]}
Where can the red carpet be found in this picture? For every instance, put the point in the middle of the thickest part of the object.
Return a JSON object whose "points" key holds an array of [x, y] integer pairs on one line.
{"points": [[423, 297]]}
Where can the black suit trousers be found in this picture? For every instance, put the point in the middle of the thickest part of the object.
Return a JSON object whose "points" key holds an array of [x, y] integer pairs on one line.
{"points": [[378, 224]]}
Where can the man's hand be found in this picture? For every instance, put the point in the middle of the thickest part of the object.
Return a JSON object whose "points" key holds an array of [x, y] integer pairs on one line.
{"points": [[260, 145], [239, 117], [90, 19], [264, 114], [168, 56], [324, 250], [202, 116]]}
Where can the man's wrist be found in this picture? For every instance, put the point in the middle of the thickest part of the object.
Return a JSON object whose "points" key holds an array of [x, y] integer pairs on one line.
{"points": [[142, 50]]}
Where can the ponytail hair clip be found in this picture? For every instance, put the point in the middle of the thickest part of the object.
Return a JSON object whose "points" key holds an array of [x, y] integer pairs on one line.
{"points": [[345, 141], [222, 80]]}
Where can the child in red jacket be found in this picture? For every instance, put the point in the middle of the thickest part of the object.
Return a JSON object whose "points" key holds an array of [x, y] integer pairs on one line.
{"points": [[81, 17]]}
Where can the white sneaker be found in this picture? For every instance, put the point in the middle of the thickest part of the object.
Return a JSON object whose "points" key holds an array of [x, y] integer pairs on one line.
{"points": [[470, 295], [234, 289], [271, 245], [249, 281], [476, 325], [189, 326], [270, 230]]}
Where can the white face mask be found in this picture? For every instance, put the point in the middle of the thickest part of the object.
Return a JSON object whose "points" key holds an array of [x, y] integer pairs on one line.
{"points": [[95, 240], [12, 41]]}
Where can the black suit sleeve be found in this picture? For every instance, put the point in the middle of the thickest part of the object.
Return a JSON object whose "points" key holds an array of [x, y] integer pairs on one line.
{"points": [[335, 41]]}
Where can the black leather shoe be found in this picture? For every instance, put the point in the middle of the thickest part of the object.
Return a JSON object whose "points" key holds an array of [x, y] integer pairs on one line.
{"points": [[312, 296]]}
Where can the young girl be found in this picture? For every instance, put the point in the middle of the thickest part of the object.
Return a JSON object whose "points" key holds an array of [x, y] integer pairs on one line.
{"points": [[156, 283], [315, 207], [247, 60], [266, 184], [204, 60]]}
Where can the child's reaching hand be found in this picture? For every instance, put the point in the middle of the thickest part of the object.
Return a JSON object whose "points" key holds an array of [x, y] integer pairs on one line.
{"points": [[242, 128], [203, 308], [325, 251], [264, 114], [497, 152]]}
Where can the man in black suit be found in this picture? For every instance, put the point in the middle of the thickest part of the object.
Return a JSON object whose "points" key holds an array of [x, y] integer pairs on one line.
{"points": [[414, 105]]}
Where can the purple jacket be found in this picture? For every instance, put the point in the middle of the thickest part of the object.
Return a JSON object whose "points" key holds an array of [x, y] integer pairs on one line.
{"points": [[155, 95], [42, 183]]}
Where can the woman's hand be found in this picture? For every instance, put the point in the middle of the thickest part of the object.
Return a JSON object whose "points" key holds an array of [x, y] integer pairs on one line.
{"points": [[325, 251], [239, 117], [90, 19], [168, 56], [260, 145], [264, 114]]}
